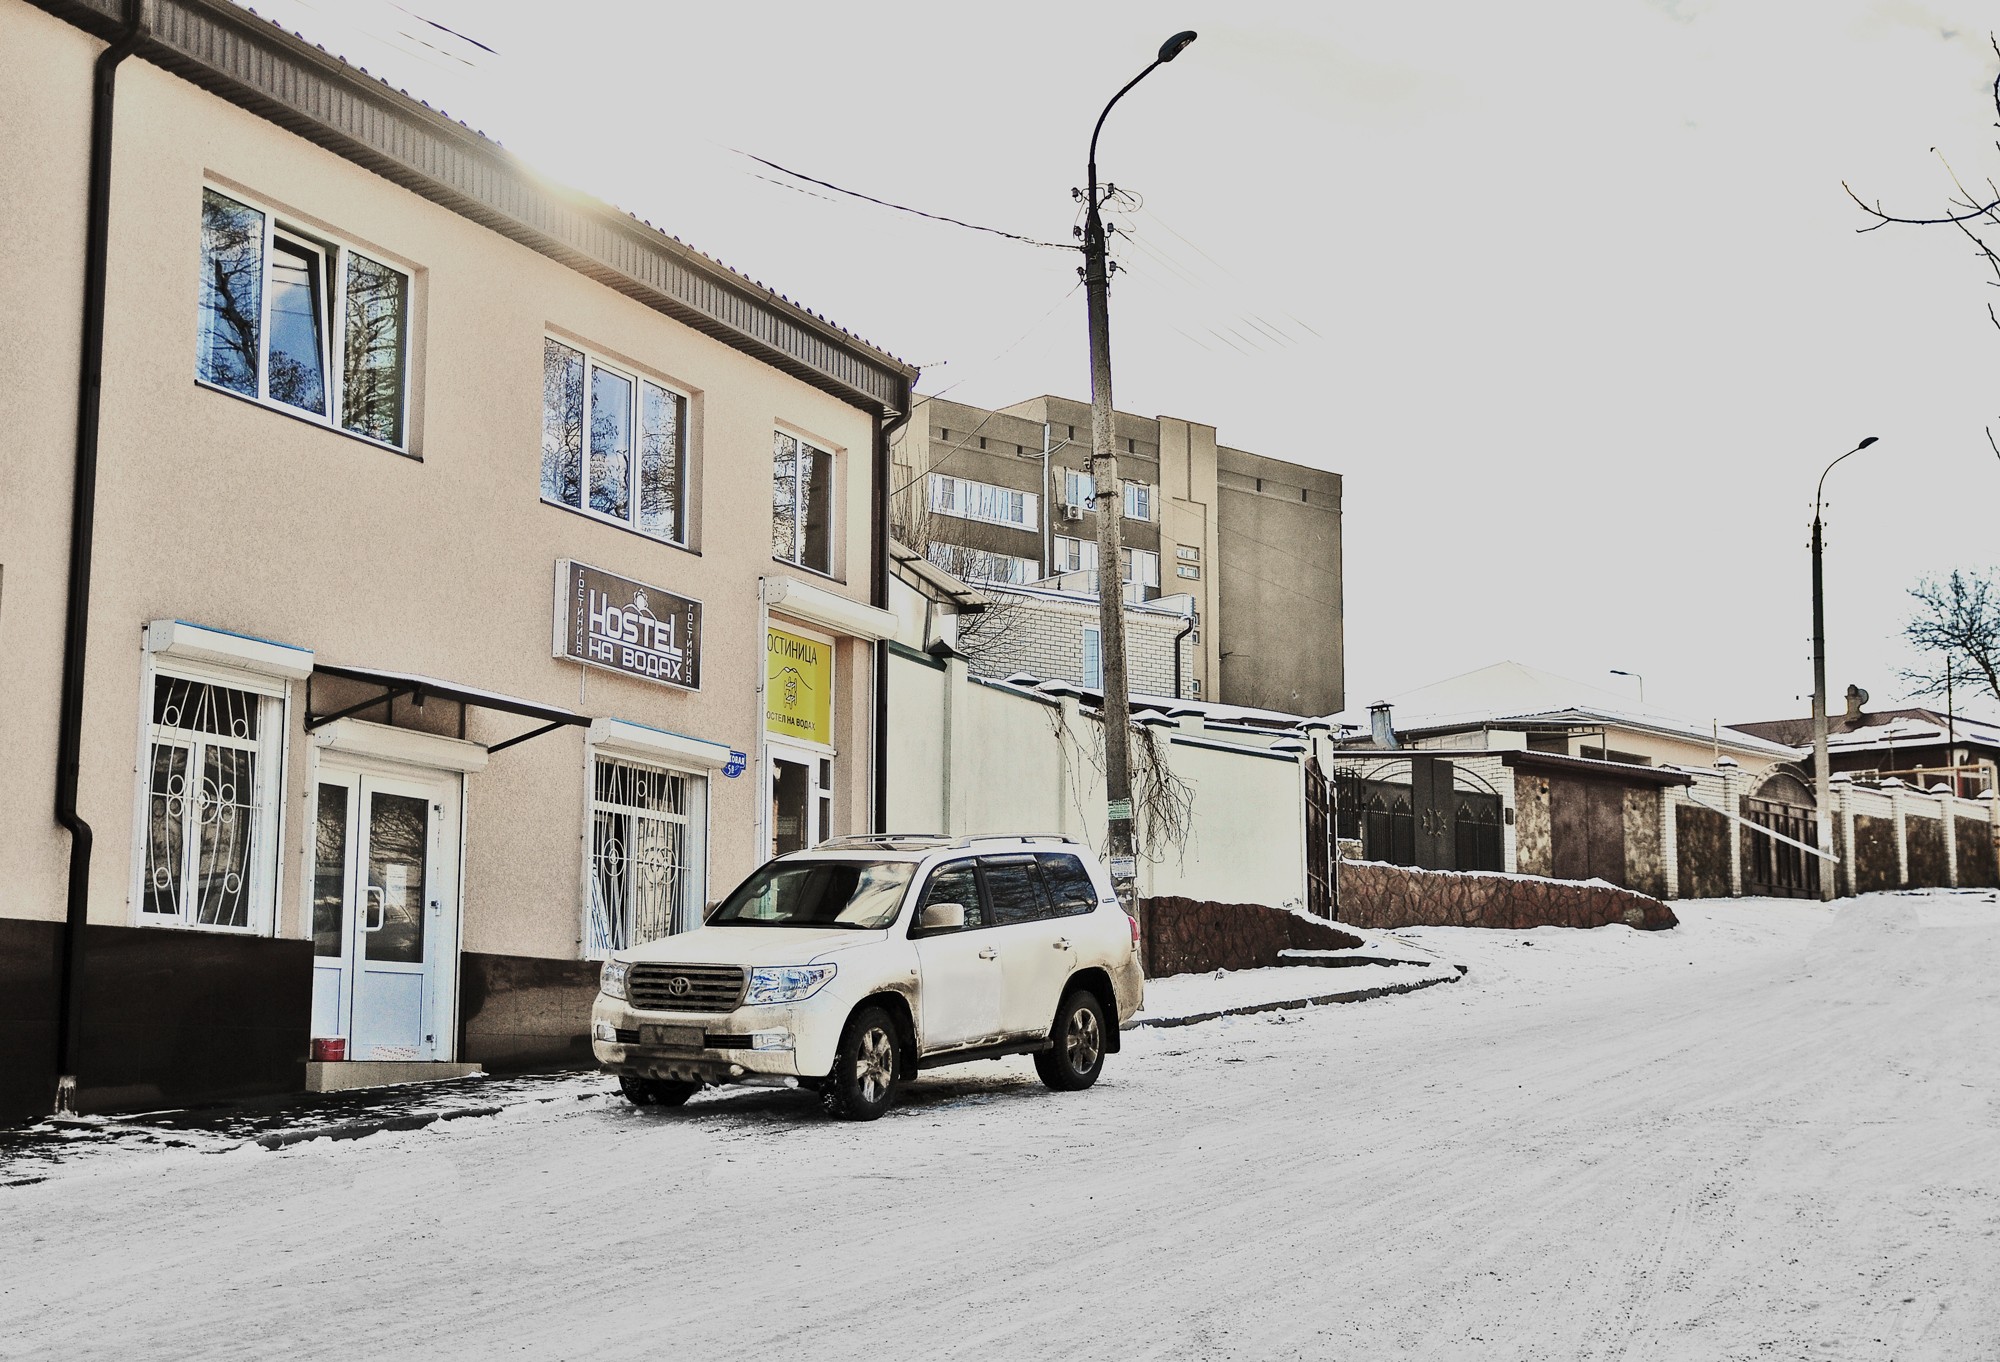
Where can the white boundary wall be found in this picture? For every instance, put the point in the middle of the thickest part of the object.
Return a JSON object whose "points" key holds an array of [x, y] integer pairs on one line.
{"points": [[968, 756]]}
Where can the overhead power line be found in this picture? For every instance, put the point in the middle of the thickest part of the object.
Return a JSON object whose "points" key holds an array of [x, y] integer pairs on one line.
{"points": [[902, 207]]}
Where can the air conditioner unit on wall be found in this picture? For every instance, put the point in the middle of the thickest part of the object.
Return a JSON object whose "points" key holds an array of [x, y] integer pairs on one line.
{"points": [[1072, 510]]}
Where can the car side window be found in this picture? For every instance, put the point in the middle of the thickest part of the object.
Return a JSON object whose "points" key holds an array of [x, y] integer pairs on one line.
{"points": [[954, 883], [1012, 889], [1067, 884]]}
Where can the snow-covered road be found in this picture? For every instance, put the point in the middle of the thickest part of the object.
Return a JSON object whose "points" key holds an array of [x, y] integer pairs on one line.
{"points": [[1770, 1133]]}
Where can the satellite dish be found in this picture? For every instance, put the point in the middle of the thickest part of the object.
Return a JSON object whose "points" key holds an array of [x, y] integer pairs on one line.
{"points": [[1856, 696]]}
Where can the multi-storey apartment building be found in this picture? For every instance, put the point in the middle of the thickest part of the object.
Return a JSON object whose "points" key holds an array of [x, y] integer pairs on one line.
{"points": [[415, 579], [1006, 496]]}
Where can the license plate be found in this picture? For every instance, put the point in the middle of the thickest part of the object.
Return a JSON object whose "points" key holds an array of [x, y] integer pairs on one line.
{"points": [[671, 1037]]}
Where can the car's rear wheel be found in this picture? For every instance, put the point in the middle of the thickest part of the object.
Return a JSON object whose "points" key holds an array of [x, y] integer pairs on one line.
{"points": [[866, 1067], [1073, 1062], [656, 1092]]}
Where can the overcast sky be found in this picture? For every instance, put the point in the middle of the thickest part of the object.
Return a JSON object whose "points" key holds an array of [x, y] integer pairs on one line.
{"points": [[1568, 291]]}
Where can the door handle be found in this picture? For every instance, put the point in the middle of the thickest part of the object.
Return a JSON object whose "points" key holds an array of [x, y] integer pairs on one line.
{"points": [[989, 953], [378, 903], [1062, 943]]}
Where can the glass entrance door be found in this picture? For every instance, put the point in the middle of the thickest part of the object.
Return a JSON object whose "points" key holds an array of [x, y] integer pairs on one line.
{"points": [[384, 946], [801, 799]]}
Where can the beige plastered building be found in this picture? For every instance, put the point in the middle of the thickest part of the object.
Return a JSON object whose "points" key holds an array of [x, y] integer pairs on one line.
{"points": [[343, 781], [1253, 543]]}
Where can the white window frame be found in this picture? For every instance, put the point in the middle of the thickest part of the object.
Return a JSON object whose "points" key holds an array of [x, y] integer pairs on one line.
{"points": [[981, 565], [989, 503], [1079, 489], [333, 333], [1075, 555], [697, 822], [1092, 639], [1146, 559], [1138, 499], [833, 535], [595, 359], [272, 749]]}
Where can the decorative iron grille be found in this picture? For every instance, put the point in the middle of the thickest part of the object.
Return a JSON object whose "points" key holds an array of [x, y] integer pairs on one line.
{"points": [[204, 805], [642, 867]]}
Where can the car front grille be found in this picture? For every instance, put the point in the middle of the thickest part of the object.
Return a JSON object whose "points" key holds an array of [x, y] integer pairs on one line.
{"points": [[625, 1035], [685, 988]]}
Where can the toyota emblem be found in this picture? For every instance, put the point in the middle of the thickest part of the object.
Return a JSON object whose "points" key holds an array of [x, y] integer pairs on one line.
{"points": [[679, 986]]}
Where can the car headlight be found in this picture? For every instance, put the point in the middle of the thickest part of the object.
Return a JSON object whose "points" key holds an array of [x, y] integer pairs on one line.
{"points": [[786, 983], [611, 983]]}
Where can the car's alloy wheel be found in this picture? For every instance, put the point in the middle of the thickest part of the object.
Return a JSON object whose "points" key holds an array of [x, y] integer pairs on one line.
{"points": [[1083, 1040], [875, 1065], [1076, 1052], [865, 1068]]}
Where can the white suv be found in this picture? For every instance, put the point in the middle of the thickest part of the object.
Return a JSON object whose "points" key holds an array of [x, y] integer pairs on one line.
{"points": [[848, 967]]}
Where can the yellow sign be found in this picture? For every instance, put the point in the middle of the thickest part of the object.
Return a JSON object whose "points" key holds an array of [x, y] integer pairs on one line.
{"points": [[798, 688]]}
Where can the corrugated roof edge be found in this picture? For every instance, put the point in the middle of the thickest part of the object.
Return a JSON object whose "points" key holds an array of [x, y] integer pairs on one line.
{"points": [[235, 53]]}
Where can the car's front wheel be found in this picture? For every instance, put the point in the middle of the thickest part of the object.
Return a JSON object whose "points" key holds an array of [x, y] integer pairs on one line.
{"points": [[656, 1092], [1073, 1062], [865, 1068]]}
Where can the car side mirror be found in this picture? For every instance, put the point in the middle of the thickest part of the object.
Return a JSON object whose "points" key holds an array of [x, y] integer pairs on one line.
{"points": [[941, 917]]}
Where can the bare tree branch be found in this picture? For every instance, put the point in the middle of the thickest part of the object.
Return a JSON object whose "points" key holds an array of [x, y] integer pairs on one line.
{"points": [[1958, 624]]}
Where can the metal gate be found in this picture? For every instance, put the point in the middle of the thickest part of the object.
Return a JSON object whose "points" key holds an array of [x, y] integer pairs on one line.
{"points": [[1421, 810], [1770, 867], [1320, 894]]}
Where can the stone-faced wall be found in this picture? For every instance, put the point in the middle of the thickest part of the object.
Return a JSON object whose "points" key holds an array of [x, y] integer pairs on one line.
{"points": [[1924, 839], [1534, 844], [1701, 852], [1645, 871], [1976, 861], [1382, 897], [1186, 937], [1874, 853]]}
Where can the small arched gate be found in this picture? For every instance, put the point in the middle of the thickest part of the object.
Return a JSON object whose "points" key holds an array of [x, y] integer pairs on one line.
{"points": [[1783, 804]]}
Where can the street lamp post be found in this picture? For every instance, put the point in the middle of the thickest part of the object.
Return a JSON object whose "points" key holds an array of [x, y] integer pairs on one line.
{"points": [[1110, 506], [1822, 774], [1636, 677]]}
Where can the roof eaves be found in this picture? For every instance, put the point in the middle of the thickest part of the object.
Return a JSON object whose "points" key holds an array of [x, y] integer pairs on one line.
{"points": [[256, 64]]}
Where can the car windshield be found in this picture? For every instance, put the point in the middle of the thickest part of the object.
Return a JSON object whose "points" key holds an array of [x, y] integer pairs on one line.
{"points": [[861, 894]]}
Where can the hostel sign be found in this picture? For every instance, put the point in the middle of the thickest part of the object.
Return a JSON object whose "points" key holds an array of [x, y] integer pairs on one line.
{"points": [[798, 688], [603, 620]]}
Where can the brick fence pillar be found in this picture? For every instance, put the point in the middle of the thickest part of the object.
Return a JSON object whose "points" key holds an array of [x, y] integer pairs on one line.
{"points": [[1732, 804], [1894, 788], [1848, 871], [1948, 815], [1670, 839]]}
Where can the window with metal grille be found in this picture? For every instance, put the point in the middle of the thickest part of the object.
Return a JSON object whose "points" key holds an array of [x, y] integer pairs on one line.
{"points": [[647, 862], [212, 784]]}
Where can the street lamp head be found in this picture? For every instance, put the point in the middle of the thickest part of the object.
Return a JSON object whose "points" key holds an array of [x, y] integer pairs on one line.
{"points": [[1865, 443], [1173, 46]]}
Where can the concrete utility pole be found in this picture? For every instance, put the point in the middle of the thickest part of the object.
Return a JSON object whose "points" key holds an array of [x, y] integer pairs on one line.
{"points": [[1822, 774], [1110, 508]]}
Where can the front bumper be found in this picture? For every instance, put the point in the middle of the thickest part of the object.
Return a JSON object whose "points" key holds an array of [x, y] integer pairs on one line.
{"points": [[725, 1052]]}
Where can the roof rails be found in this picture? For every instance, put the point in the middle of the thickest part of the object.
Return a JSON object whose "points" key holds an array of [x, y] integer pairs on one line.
{"points": [[925, 841], [894, 841], [1029, 838]]}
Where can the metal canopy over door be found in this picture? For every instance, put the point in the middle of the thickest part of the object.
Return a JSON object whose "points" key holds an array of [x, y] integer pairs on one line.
{"points": [[385, 920]]}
